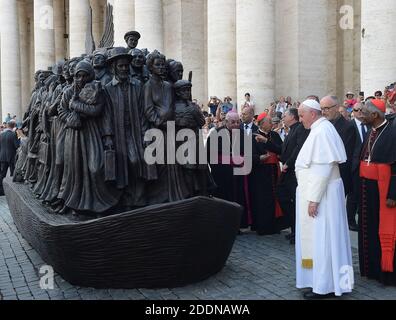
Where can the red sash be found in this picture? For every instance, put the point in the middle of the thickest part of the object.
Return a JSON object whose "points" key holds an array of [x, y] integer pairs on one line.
{"points": [[387, 230], [274, 159]]}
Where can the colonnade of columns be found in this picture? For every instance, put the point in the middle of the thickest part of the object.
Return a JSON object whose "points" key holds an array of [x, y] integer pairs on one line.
{"points": [[265, 47]]}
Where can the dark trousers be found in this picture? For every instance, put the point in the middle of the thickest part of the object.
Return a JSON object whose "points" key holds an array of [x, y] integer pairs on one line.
{"points": [[353, 199], [4, 166], [286, 193]]}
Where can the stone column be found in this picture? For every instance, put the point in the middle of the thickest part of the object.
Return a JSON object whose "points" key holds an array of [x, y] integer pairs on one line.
{"points": [[349, 35], [314, 45], [10, 59], [78, 22], [44, 38], [124, 20], [378, 47], [357, 43], [60, 29], [255, 34], [222, 48], [287, 80], [305, 49], [149, 22], [184, 27], [24, 47], [32, 67]]}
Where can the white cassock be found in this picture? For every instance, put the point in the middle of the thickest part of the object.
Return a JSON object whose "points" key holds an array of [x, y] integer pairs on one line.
{"points": [[323, 246]]}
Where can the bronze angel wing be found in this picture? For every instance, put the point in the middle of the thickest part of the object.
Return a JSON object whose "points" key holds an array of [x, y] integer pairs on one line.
{"points": [[108, 34], [89, 40]]}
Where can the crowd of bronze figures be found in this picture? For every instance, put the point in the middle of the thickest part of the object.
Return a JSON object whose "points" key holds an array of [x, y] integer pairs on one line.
{"points": [[85, 126]]}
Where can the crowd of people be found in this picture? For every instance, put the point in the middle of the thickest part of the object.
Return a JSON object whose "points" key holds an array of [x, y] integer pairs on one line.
{"points": [[354, 188]]}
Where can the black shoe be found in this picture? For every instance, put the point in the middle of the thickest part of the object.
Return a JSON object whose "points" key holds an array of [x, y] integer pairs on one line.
{"points": [[310, 295], [354, 227]]}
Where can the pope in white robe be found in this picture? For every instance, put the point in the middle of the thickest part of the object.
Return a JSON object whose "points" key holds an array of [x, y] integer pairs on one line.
{"points": [[323, 247]]}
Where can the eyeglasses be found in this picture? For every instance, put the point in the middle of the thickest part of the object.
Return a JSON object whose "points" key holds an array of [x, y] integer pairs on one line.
{"points": [[357, 110], [329, 108]]}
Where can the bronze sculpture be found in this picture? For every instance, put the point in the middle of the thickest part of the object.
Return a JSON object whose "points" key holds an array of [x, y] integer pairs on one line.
{"points": [[85, 162]]}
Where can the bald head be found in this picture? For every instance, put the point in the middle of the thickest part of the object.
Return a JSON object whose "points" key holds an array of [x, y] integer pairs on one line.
{"points": [[330, 107], [232, 120], [247, 115]]}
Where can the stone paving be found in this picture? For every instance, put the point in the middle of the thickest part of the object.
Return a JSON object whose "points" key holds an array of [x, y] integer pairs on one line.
{"points": [[259, 268]]}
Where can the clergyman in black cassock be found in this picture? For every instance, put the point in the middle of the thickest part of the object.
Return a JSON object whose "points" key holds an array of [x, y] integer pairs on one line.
{"points": [[229, 185], [377, 212], [286, 190], [267, 146]]}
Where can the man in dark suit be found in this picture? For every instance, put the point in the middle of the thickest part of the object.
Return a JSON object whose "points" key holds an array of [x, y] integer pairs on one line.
{"points": [[286, 190], [247, 128], [346, 130], [9, 144], [353, 198], [247, 118]]}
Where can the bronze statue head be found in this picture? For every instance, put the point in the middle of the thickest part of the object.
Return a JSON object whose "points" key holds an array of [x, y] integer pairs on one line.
{"points": [[156, 63], [84, 74], [72, 65], [132, 39], [65, 71], [183, 89], [175, 70], [99, 59], [120, 60], [138, 58]]}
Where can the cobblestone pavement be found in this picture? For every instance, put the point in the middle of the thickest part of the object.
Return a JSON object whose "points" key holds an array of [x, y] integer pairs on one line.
{"points": [[259, 268]]}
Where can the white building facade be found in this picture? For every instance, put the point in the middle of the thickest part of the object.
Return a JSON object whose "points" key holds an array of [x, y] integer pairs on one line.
{"points": [[269, 48]]}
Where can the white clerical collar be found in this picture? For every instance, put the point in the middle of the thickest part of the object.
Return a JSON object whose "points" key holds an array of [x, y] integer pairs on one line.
{"points": [[380, 126], [317, 123]]}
